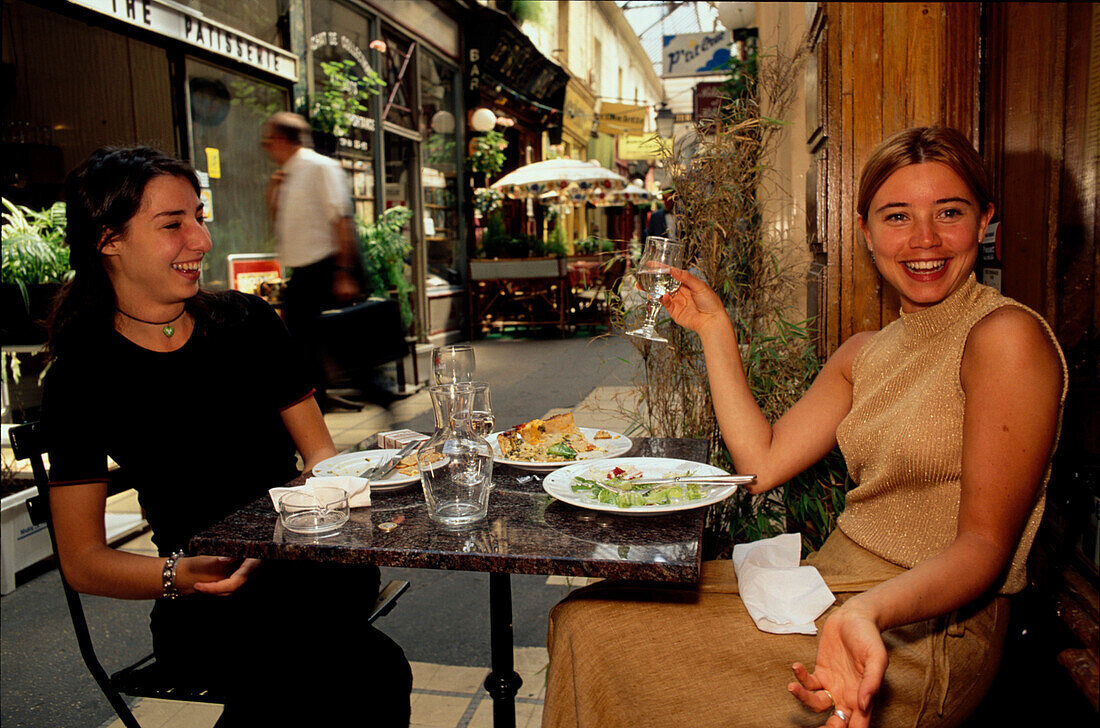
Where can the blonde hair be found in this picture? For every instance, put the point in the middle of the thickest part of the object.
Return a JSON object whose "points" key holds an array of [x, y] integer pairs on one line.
{"points": [[941, 144]]}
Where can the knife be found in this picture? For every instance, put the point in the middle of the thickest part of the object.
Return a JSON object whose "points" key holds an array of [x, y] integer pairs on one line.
{"points": [[383, 469]]}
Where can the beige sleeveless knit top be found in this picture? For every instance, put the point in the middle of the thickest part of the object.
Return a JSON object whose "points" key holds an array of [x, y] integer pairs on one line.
{"points": [[902, 439]]}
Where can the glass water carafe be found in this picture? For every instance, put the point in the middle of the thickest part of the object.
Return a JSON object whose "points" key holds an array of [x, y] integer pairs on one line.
{"points": [[456, 464]]}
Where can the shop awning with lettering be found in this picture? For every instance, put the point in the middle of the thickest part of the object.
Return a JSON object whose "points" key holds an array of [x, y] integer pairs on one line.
{"points": [[176, 21], [501, 59]]}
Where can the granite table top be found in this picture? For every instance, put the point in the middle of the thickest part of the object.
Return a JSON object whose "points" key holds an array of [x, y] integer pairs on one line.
{"points": [[526, 531]]}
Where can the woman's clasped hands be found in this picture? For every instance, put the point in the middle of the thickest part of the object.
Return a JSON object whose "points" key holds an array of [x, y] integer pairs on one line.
{"points": [[848, 672]]}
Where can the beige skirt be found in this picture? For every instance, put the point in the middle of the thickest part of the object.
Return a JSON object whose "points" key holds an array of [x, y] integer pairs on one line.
{"points": [[645, 656]]}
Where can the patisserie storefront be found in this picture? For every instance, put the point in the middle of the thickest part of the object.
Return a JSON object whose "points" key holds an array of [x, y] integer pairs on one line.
{"points": [[199, 77]]}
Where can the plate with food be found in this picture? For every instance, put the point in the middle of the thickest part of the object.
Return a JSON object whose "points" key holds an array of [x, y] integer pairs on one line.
{"points": [[354, 463], [622, 485], [555, 442]]}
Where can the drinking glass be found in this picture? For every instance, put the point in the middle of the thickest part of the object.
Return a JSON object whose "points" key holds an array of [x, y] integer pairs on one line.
{"points": [[456, 465], [481, 410], [453, 364], [654, 278]]}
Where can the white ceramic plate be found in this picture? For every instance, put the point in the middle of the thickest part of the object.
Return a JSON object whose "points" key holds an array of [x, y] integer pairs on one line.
{"points": [[353, 463], [609, 448], [560, 484]]}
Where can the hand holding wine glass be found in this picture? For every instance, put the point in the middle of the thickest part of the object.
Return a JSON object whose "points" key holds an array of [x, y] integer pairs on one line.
{"points": [[655, 278]]}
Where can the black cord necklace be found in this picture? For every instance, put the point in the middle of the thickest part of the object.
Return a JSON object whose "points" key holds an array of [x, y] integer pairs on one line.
{"points": [[168, 329]]}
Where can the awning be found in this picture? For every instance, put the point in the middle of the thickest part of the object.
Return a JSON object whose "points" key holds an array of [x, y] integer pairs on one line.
{"points": [[501, 58]]}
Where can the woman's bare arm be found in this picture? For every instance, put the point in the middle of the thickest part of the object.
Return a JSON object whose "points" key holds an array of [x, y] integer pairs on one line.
{"points": [[804, 434], [1012, 379], [91, 566], [307, 428]]}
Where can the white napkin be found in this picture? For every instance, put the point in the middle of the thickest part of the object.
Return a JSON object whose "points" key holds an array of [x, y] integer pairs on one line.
{"points": [[358, 489], [781, 596]]}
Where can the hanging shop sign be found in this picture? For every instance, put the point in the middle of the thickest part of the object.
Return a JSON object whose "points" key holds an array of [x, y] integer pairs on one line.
{"points": [[696, 54], [577, 114], [617, 119], [708, 99], [640, 146], [177, 22]]}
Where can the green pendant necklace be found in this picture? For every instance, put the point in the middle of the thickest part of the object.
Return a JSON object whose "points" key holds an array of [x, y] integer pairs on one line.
{"points": [[168, 329]]}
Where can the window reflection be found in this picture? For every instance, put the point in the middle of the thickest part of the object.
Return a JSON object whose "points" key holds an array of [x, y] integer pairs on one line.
{"points": [[440, 163], [227, 112]]}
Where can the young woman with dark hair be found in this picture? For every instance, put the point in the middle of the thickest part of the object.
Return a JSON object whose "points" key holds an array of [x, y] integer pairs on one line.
{"points": [[199, 399]]}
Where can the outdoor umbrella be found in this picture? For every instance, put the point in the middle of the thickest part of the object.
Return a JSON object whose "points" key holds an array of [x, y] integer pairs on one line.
{"points": [[574, 178]]}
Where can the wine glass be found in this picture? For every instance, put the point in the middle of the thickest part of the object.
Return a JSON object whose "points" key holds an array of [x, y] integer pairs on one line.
{"points": [[654, 278], [481, 415], [481, 410], [453, 364]]}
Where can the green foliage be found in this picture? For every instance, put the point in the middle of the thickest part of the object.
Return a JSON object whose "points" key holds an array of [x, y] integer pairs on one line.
{"points": [[439, 151], [722, 219], [555, 240], [593, 244], [342, 97], [496, 242], [488, 153], [34, 249], [495, 238], [527, 11], [383, 248]]}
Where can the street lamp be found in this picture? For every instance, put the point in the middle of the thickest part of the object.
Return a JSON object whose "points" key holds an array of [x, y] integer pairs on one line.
{"points": [[665, 120], [483, 119]]}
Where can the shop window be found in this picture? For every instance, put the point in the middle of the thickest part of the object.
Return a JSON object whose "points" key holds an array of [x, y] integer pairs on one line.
{"points": [[227, 111], [68, 89], [439, 153], [341, 35], [399, 71], [267, 20]]}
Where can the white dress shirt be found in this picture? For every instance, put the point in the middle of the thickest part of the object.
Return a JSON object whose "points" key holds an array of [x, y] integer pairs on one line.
{"points": [[313, 195]]}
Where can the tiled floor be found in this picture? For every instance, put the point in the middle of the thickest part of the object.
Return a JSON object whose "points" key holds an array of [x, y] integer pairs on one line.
{"points": [[444, 696]]}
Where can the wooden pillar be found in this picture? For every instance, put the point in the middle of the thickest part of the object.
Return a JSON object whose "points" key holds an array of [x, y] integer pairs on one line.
{"points": [[880, 68]]}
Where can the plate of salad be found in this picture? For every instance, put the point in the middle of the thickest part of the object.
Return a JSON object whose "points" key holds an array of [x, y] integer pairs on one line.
{"points": [[566, 450], [608, 485]]}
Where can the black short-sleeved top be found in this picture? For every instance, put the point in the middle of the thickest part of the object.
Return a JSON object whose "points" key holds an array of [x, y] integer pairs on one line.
{"points": [[197, 431]]}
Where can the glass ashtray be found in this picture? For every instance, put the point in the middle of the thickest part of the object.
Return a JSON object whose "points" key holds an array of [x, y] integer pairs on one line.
{"points": [[319, 510]]}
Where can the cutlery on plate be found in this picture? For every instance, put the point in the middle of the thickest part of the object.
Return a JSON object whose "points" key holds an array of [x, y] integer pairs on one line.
{"points": [[654, 483], [386, 466], [736, 479]]}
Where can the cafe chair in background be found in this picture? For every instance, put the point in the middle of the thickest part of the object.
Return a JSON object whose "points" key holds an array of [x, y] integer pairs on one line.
{"points": [[142, 679]]}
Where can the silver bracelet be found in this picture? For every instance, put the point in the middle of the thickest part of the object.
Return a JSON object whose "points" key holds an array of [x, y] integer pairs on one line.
{"points": [[168, 575]]}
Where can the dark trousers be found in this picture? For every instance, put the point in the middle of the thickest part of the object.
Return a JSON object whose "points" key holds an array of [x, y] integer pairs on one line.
{"points": [[308, 293], [290, 648]]}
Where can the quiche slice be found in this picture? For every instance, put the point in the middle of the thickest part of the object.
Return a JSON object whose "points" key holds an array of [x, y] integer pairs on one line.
{"points": [[552, 440]]}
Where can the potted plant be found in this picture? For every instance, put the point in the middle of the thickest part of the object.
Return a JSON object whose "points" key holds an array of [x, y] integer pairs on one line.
{"points": [[383, 248], [487, 153], [341, 99], [35, 264]]}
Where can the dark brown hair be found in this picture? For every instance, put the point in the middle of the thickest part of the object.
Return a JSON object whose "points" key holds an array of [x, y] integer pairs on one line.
{"points": [[102, 195]]}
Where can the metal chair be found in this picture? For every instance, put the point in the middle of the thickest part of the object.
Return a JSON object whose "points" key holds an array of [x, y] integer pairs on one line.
{"points": [[144, 678]]}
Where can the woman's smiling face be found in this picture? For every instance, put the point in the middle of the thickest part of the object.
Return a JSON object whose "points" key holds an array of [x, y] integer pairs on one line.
{"points": [[923, 227], [158, 259]]}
